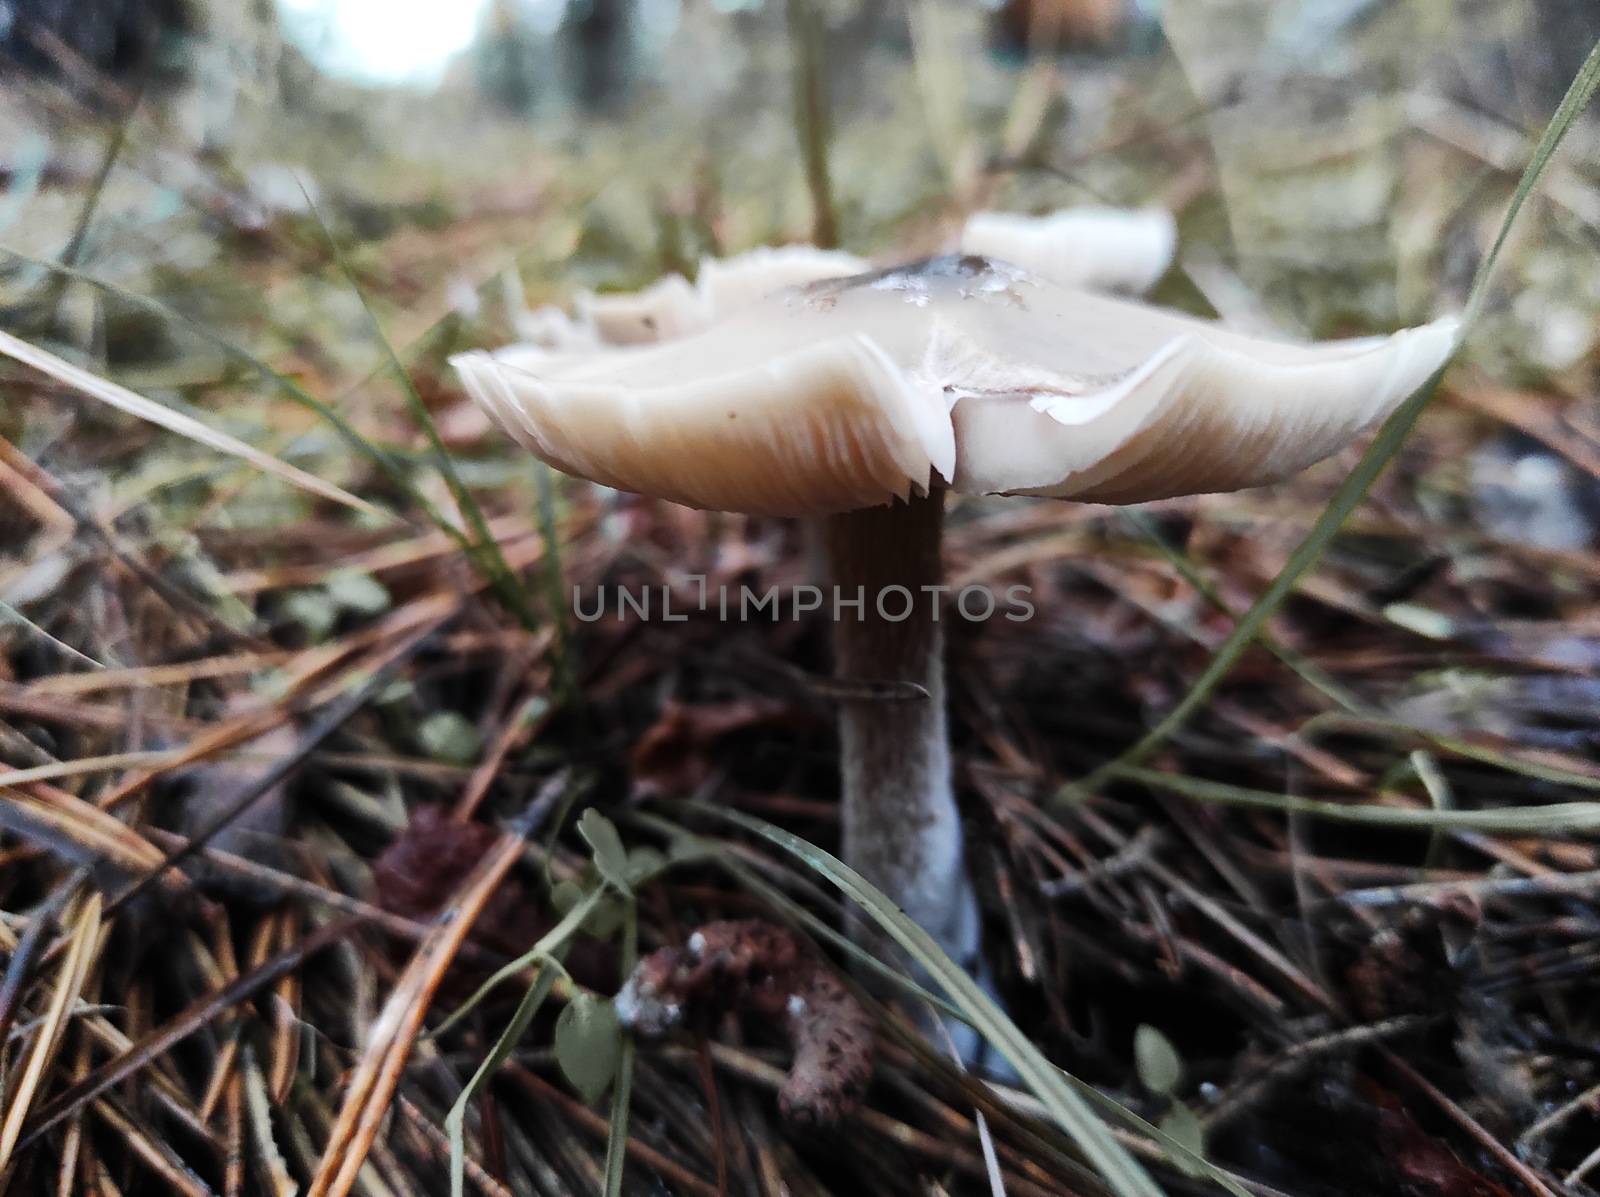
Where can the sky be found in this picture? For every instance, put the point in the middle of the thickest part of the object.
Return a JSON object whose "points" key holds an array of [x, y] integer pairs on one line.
{"points": [[383, 41]]}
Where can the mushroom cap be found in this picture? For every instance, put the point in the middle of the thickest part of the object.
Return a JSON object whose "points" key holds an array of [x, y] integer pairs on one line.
{"points": [[674, 307], [1116, 249], [854, 392], [1096, 247]]}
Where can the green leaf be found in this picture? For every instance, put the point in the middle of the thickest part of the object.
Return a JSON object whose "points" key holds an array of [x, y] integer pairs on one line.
{"points": [[1160, 1068], [1179, 1153], [610, 857], [1125, 1176], [603, 910], [588, 1045], [643, 864], [606, 916], [449, 737], [396, 691], [312, 610], [361, 593], [564, 895], [684, 848]]}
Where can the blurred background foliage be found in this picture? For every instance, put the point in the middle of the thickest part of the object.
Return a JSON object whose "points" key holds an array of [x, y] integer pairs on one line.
{"points": [[1337, 165]]}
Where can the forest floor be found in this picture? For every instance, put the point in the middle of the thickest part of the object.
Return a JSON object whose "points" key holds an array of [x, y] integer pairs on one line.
{"points": [[1336, 930]]}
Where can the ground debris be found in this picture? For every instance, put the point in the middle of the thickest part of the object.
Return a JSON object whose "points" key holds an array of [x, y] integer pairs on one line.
{"points": [[762, 969]]}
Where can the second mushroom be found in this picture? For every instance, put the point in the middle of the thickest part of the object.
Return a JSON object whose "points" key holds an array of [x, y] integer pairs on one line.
{"points": [[863, 399]]}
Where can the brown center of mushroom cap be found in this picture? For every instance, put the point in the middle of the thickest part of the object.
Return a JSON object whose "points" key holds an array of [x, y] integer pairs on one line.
{"points": [[974, 276]]}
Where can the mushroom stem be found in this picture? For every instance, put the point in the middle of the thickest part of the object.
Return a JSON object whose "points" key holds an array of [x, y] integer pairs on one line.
{"points": [[902, 831]]}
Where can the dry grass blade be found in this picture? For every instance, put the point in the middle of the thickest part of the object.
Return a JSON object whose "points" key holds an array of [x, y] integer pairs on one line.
{"points": [[84, 765], [377, 1075], [26, 950], [9, 614], [157, 1155], [1561, 818], [76, 830], [123, 399], [197, 1015], [258, 1107], [82, 950]]}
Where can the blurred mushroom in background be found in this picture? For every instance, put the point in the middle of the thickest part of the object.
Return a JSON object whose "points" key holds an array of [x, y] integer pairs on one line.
{"points": [[1113, 249]]}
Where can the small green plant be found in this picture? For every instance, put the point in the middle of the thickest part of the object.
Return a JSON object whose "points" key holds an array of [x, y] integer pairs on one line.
{"points": [[590, 1048]]}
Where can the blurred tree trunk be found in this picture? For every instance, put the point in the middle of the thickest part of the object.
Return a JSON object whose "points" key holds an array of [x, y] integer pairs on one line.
{"points": [[121, 38], [508, 54], [1024, 25], [597, 40]]}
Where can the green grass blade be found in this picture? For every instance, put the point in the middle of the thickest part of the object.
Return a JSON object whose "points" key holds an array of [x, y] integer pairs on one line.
{"points": [[1572, 104], [1553, 819], [1122, 1173], [503, 1046], [1305, 555], [563, 667], [91, 203], [1373, 462], [483, 550], [790, 909], [1377, 725], [812, 123], [622, 1086], [1309, 672], [542, 950]]}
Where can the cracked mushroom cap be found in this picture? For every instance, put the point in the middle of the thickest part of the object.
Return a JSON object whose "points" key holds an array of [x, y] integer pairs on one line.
{"points": [[1115, 249], [1101, 248], [675, 307], [958, 370]]}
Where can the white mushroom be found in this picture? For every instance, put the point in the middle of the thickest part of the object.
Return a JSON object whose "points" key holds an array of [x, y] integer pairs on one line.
{"points": [[864, 398], [674, 307], [1113, 249], [961, 371], [1100, 248]]}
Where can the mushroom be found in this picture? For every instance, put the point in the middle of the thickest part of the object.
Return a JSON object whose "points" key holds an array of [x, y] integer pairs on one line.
{"points": [[1100, 248], [1115, 249], [673, 307], [864, 399]]}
